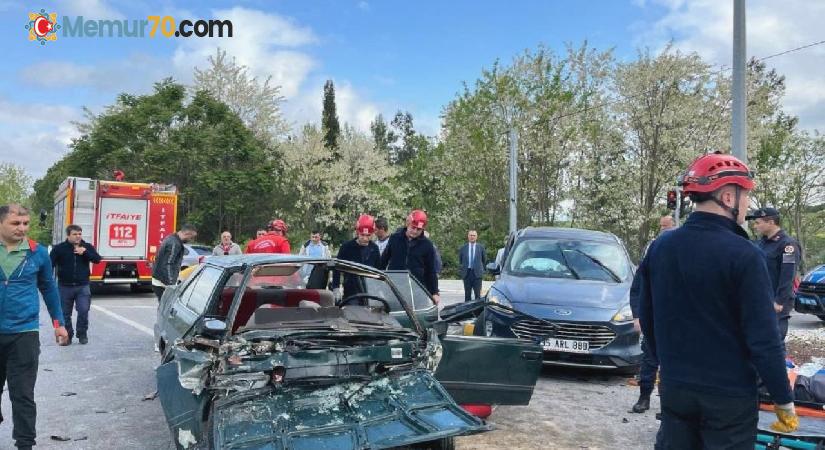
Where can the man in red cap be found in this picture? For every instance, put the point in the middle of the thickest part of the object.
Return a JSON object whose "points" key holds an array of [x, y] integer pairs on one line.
{"points": [[361, 250], [409, 249], [706, 311], [274, 241]]}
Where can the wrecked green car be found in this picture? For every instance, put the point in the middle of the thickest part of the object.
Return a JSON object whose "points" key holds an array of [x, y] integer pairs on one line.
{"points": [[257, 354]]}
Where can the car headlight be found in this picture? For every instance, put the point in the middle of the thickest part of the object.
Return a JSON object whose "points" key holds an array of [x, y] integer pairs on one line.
{"points": [[624, 314], [497, 298]]}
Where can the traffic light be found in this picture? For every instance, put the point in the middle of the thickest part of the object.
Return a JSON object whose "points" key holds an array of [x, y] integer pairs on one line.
{"points": [[671, 199]]}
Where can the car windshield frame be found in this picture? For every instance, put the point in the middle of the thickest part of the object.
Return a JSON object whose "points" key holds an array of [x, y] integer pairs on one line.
{"points": [[568, 258]]}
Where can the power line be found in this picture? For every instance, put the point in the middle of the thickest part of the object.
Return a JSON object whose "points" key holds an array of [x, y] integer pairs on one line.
{"points": [[718, 72]]}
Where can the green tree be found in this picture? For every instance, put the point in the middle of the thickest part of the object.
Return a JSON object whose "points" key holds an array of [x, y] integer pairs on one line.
{"points": [[15, 184], [382, 136], [219, 167], [256, 102], [329, 119]]}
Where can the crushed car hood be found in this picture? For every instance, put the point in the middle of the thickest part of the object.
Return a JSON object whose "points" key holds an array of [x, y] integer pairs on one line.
{"points": [[389, 411], [562, 292]]}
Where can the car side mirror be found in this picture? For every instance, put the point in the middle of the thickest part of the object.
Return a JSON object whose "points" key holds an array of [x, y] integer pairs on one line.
{"points": [[214, 327], [493, 268]]}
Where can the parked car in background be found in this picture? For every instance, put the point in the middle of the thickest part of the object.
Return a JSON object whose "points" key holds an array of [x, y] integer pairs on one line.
{"points": [[255, 354], [810, 297], [568, 290], [195, 254]]}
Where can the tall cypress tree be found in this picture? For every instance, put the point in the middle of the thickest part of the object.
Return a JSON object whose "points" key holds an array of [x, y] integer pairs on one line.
{"points": [[329, 119]]}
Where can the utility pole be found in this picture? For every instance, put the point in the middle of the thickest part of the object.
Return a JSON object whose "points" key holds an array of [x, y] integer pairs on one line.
{"points": [[739, 127], [513, 180]]}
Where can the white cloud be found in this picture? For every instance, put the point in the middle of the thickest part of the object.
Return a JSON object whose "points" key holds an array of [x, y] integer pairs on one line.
{"points": [[34, 136], [351, 106], [135, 74], [363, 6], [90, 9], [264, 42], [706, 26]]}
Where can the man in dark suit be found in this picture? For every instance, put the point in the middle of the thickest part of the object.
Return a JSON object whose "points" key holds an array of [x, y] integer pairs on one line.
{"points": [[471, 260]]}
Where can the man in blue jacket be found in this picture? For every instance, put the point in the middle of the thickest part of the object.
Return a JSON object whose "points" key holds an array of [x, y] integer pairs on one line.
{"points": [[25, 269], [706, 311], [72, 258], [409, 249]]}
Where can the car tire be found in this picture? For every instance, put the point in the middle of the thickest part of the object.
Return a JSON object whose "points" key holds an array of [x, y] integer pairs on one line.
{"points": [[447, 443], [821, 317]]}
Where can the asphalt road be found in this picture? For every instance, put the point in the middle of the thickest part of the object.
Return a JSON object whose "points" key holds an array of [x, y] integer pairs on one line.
{"points": [[93, 394]]}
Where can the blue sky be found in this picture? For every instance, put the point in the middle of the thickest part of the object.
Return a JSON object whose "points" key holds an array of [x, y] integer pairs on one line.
{"points": [[382, 55]]}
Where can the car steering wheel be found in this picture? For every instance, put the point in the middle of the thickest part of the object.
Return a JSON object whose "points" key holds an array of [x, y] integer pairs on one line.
{"points": [[349, 299]]}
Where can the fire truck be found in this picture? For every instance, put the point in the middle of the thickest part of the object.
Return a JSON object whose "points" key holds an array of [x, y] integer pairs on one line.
{"points": [[124, 221]]}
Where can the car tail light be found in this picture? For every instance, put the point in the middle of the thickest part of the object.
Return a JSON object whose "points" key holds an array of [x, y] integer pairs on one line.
{"points": [[200, 259], [478, 410]]}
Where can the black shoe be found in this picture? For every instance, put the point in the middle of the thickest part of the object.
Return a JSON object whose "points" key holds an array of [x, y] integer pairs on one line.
{"points": [[84, 340], [643, 404]]}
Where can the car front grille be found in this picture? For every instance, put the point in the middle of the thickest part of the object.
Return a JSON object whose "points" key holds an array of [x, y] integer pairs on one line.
{"points": [[812, 288], [536, 330]]}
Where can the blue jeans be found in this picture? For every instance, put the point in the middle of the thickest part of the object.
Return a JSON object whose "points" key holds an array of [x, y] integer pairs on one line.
{"points": [[79, 297]]}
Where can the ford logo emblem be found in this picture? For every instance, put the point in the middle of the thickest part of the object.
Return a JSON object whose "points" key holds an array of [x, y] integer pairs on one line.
{"points": [[562, 312]]}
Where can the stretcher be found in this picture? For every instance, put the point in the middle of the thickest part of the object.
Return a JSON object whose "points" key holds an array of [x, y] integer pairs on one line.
{"points": [[809, 436]]}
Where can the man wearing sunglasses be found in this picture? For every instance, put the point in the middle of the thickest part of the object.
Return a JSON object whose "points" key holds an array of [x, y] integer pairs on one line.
{"points": [[408, 249]]}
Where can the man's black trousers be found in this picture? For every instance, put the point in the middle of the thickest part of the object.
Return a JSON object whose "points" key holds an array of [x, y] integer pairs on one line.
{"points": [[692, 420], [19, 353]]}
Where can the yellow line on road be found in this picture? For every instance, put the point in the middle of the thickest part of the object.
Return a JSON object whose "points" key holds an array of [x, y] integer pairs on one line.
{"points": [[129, 322]]}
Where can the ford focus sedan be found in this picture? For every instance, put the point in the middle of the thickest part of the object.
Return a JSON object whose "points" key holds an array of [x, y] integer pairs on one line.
{"points": [[567, 290]]}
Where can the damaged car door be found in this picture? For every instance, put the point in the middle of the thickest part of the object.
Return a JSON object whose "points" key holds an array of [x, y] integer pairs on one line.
{"points": [[477, 369]]}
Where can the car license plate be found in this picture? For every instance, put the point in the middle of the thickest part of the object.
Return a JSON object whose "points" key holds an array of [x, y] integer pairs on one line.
{"points": [[565, 345]]}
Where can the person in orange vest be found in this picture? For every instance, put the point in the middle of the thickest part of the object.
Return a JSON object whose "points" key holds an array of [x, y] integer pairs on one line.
{"points": [[274, 241]]}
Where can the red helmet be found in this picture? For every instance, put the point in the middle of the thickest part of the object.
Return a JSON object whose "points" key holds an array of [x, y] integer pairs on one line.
{"points": [[278, 225], [365, 224], [710, 172], [417, 218]]}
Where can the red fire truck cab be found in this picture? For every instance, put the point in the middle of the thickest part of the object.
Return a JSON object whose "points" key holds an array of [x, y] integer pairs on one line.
{"points": [[124, 221]]}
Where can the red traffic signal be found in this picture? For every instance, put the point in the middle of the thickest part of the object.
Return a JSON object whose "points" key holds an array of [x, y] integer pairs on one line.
{"points": [[671, 199]]}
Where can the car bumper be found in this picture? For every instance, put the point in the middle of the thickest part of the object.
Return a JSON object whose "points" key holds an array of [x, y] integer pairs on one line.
{"points": [[809, 303], [622, 350]]}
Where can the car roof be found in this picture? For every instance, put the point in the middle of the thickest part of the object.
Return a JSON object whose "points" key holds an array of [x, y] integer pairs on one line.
{"points": [[567, 233], [274, 258]]}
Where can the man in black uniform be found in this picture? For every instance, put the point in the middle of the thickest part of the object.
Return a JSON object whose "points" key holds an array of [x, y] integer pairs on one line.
{"points": [[706, 313], [782, 255], [360, 250], [409, 249]]}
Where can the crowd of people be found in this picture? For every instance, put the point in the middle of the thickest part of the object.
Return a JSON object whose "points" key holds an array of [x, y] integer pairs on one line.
{"points": [[713, 308]]}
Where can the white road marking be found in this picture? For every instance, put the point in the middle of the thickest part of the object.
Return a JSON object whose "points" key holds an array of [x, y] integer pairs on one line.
{"points": [[129, 322]]}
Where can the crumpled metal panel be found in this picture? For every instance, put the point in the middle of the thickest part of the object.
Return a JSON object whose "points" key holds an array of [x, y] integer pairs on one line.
{"points": [[393, 410]]}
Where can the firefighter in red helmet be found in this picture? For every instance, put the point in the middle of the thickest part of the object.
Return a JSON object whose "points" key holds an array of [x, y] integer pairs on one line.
{"points": [[361, 250], [408, 249], [274, 241], [706, 311]]}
